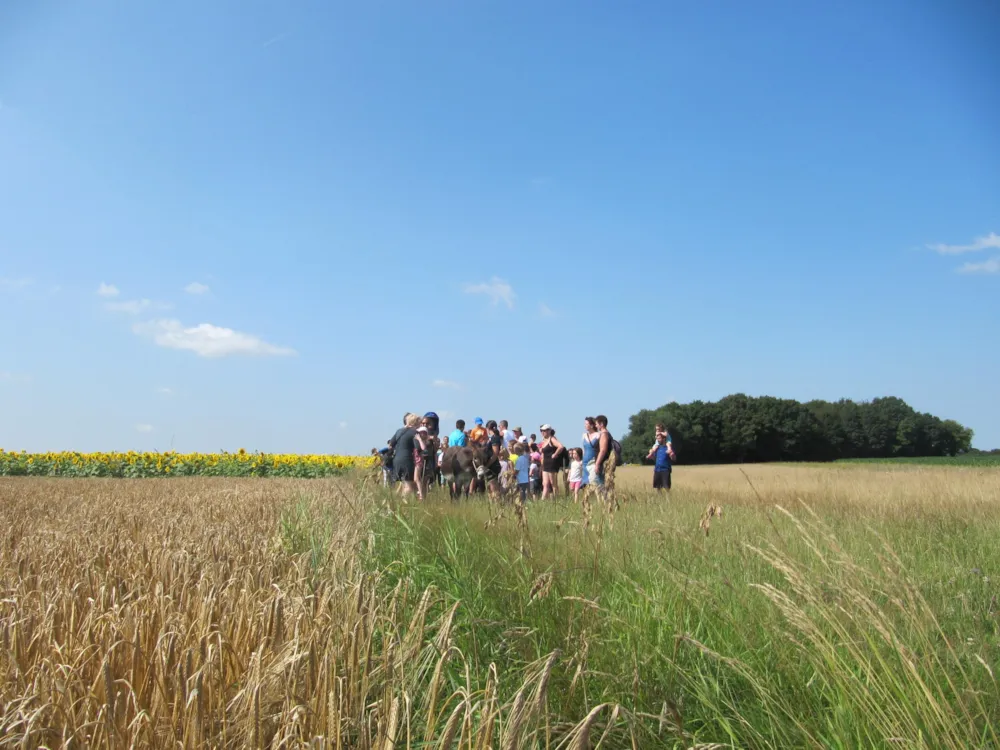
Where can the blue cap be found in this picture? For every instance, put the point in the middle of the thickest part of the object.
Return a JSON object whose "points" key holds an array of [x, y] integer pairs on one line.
{"points": [[479, 420], [430, 415]]}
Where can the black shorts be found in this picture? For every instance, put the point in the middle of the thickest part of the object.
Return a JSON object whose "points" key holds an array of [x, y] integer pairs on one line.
{"points": [[661, 480], [403, 472]]}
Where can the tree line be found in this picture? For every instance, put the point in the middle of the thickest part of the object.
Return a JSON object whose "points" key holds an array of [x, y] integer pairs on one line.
{"points": [[747, 429]]}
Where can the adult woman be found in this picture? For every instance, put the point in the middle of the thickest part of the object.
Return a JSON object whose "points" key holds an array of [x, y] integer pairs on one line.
{"points": [[590, 440], [491, 456], [551, 450], [403, 444]]}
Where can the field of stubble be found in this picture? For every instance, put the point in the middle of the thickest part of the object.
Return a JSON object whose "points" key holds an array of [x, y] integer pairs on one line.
{"points": [[825, 607]]}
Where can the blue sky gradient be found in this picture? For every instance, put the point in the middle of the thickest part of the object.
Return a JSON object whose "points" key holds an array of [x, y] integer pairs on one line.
{"points": [[532, 211]]}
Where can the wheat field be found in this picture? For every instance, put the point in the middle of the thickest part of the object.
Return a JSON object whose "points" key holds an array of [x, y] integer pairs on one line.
{"points": [[768, 606]]}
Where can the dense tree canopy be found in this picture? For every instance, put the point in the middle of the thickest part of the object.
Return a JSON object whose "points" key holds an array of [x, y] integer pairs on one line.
{"points": [[739, 428]]}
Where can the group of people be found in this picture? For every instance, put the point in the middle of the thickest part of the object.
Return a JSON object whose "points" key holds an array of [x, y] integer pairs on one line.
{"points": [[501, 458]]}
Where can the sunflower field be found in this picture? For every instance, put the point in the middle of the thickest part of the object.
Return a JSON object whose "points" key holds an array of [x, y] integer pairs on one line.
{"points": [[133, 465]]}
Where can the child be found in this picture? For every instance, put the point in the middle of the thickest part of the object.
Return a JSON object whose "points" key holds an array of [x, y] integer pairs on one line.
{"points": [[386, 455], [522, 465], [575, 472], [535, 473]]}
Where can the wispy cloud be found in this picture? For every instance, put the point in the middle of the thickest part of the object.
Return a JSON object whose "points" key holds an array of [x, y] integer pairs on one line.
{"points": [[987, 266], [496, 289], [276, 39], [989, 242], [135, 306], [343, 425], [439, 383], [164, 391], [195, 288], [107, 290], [144, 428], [12, 284], [14, 377], [545, 311], [207, 340]]}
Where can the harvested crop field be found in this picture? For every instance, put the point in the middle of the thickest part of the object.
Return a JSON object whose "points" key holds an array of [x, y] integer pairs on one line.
{"points": [[824, 607]]}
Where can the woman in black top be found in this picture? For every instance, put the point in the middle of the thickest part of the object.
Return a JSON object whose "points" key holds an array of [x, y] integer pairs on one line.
{"points": [[552, 451], [403, 444], [491, 456]]}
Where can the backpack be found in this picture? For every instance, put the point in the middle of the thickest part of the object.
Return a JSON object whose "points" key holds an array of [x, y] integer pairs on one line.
{"points": [[617, 448]]}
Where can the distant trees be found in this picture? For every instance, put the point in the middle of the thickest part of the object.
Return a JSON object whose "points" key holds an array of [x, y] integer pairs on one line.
{"points": [[745, 429]]}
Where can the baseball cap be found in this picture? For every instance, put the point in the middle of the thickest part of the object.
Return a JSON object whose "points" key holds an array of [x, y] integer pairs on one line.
{"points": [[524, 439], [421, 429], [479, 420], [545, 427]]}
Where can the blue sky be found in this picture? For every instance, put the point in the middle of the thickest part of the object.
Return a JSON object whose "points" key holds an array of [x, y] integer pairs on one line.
{"points": [[279, 226]]}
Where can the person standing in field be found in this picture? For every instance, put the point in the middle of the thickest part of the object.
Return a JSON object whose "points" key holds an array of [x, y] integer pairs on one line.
{"points": [[575, 476], [458, 438], [522, 466], [605, 446], [404, 446], [491, 456], [662, 454], [551, 450], [590, 438], [507, 434]]}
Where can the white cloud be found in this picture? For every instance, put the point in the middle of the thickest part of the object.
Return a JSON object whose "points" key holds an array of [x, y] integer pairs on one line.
{"points": [[343, 425], [496, 289], [107, 290], [195, 288], [545, 311], [989, 242], [207, 340], [446, 384], [144, 428], [132, 306], [13, 377], [164, 391], [987, 266]]}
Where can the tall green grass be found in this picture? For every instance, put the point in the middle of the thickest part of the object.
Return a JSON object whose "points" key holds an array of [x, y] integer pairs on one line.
{"points": [[811, 625]]}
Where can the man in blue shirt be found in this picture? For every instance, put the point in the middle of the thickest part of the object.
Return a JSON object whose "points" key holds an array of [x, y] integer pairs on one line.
{"points": [[662, 452], [457, 438]]}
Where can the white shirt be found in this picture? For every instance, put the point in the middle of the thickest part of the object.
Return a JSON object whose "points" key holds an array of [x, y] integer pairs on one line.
{"points": [[575, 471]]}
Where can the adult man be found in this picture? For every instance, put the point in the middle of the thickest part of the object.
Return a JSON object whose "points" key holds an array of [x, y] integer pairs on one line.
{"points": [[458, 438], [663, 452], [604, 448], [508, 435]]}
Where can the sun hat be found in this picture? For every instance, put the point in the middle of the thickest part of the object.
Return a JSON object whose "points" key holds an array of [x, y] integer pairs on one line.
{"points": [[545, 428], [518, 429], [479, 420]]}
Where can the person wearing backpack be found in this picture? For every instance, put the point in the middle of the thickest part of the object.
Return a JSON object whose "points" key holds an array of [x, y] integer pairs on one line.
{"points": [[606, 447]]}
